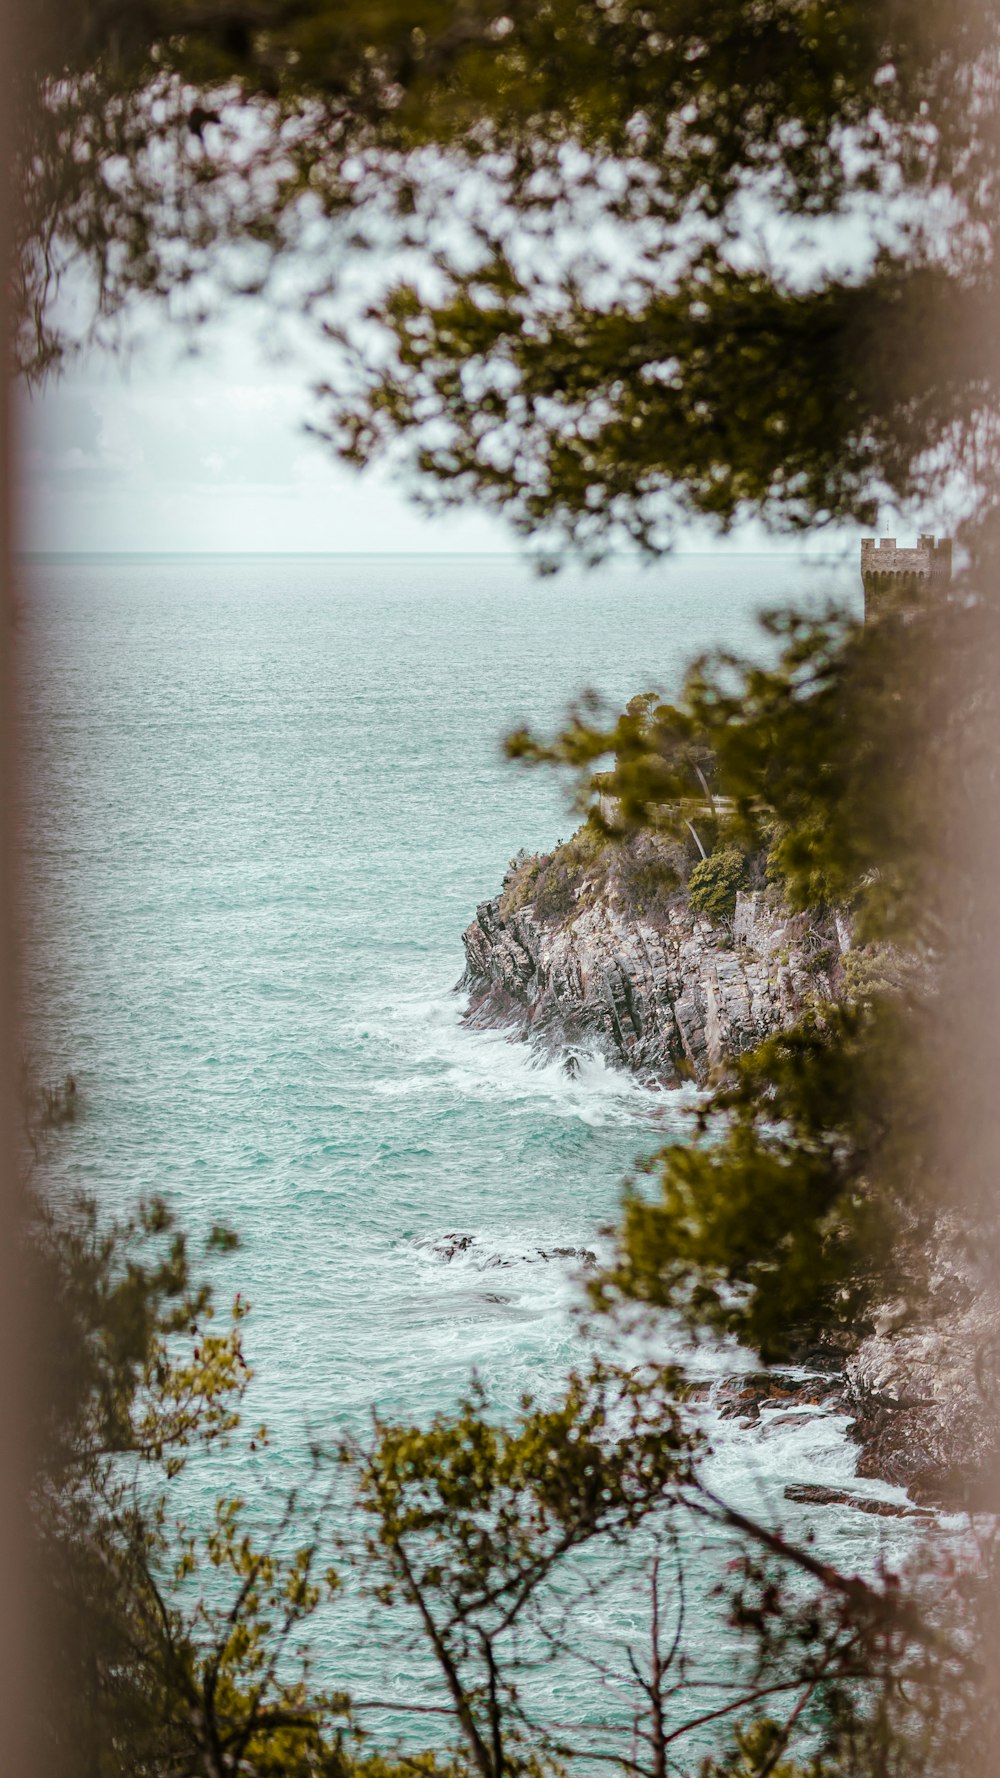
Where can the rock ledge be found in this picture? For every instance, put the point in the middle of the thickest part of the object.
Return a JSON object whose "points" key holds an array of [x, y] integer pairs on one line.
{"points": [[670, 998]]}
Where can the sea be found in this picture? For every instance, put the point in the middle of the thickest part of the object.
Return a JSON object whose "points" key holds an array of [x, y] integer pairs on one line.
{"points": [[263, 797]]}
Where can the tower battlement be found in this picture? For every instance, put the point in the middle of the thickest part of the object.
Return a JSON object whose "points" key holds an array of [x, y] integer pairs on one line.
{"points": [[892, 576]]}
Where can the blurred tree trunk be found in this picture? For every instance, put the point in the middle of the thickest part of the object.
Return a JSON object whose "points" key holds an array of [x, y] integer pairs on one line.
{"points": [[19, 1644]]}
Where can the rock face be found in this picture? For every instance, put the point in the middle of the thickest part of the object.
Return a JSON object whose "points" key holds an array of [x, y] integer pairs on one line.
{"points": [[669, 997], [814, 1494], [924, 1386]]}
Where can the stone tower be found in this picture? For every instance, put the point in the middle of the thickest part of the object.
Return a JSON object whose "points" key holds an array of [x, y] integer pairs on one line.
{"points": [[894, 578]]}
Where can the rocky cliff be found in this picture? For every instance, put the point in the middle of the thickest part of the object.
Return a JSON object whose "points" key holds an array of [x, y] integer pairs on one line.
{"points": [[585, 949], [583, 952]]}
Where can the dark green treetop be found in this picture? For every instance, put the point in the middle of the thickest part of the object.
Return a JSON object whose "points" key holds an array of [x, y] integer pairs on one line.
{"points": [[621, 290]]}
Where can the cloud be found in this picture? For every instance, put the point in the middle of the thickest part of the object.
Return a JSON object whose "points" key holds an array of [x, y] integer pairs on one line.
{"points": [[206, 453], [65, 444]]}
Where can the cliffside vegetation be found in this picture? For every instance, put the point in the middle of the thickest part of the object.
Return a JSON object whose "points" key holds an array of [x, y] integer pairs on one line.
{"points": [[644, 873], [591, 867], [844, 769], [606, 329], [716, 881]]}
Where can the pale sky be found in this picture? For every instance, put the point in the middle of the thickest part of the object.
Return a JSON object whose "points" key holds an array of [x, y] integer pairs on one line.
{"points": [[155, 450], [161, 451]]}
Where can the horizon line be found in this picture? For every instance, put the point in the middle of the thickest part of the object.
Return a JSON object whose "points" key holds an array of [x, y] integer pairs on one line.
{"points": [[36, 555]]}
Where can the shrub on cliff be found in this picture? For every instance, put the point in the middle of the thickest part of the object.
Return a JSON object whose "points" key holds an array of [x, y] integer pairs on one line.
{"points": [[873, 972], [641, 871], [715, 882], [557, 882], [519, 882]]}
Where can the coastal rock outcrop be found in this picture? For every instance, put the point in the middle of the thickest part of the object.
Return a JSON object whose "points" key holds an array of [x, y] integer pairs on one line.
{"points": [[924, 1385], [649, 984], [586, 950]]}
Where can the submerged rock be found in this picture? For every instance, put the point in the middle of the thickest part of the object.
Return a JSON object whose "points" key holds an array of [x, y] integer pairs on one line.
{"points": [[743, 1397], [814, 1494], [448, 1247]]}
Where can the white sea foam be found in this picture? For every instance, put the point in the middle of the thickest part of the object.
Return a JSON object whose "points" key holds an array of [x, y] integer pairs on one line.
{"points": [[429, 1053]]}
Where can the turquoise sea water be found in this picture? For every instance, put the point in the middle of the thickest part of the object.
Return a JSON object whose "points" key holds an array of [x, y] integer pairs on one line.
{"points": [[263, 799]]}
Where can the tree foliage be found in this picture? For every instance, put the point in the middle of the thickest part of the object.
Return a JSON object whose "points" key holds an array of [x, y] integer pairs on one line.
{"points": [[616, 302], [173, 1648], [474, 1523], [715, 882], [185, 1647]]}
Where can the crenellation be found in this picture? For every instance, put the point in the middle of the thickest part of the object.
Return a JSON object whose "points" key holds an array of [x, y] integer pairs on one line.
{"points": [[895, 578]]}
